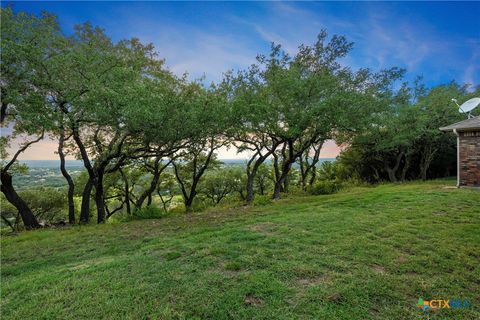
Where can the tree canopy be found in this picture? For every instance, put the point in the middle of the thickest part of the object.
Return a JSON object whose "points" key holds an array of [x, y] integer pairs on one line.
{"points": [[144, 133]]}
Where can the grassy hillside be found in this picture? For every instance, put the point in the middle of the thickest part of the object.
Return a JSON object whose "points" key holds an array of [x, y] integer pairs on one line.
{"points": [[365, 253]]}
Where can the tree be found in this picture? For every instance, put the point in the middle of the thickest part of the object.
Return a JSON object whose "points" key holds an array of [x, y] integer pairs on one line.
{"points": [[205, 121], [166, 189], [220, 183], [308, 161], [434, 111], [254, 121], [111, 87], [7, 188], [155, 168], [191, 169], [303, 100], [27, 44], [403, 140], [67, 176], [264, 179]]}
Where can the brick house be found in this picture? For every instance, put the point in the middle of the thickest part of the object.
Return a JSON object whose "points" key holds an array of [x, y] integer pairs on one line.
{"points": [[468, 151]]}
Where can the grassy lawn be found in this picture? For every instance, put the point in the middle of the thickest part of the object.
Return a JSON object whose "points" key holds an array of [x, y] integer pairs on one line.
{"points": [[365, 253]]}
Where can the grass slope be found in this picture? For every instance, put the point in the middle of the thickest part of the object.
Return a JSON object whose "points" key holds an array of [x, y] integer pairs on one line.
{"points": [[365, 253]]}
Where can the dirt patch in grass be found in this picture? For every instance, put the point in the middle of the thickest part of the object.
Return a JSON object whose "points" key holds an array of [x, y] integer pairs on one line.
{"points": [[266, 228], [378, 269], [251, 300], [335, 298], [324, 279]]}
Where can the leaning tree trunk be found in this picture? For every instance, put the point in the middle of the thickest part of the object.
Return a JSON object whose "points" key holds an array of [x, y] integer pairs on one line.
{"points": [[189, 196], [281, 182], [66, 175], [281, 174], [252, 172], [3, 111], [28, 218], [147, 194], [87, 191]]}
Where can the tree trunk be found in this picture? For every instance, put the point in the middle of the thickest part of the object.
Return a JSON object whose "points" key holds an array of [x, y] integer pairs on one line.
{"points": [[252, 172], [282, 174], [286, 184], [3, 111], [391, 174], [66, 175], [127, 192], [280, 183], [99, 199], [426, 160], [303, 172], [189, 202], [406, 166], [313, 176], [87, 191], [277, 190], [85, 208], [189, 195], [28, 218], [147, 194], [279, 186], [250, 192]]}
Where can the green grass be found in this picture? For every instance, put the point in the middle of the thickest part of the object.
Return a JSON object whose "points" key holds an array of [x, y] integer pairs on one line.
{"points": [[363, 253]]}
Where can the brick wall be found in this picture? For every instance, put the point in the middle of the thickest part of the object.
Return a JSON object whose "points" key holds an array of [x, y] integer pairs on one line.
{"points": [[469, 153]]}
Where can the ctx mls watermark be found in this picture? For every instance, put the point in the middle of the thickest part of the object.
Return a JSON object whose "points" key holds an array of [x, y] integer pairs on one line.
{"points": [[426, 305]]}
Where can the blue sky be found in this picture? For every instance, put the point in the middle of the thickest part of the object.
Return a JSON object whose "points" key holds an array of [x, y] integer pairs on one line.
{"points": [[440, 40]]}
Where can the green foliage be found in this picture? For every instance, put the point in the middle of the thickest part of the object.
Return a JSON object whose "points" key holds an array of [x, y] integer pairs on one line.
{"points": [[262, 200], [48, 204], [404, 141], [149, 212], [264, 179], [325, 187], [328, 170], [220, 183]]}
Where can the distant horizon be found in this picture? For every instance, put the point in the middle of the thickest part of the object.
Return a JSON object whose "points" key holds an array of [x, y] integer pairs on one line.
{"points": [[54, 163], [47, 148], [80, 161]]}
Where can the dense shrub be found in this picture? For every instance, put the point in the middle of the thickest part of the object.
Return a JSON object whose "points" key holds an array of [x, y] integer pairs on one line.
{"points": [[149, 212], [262, 200], [325, 187]]}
